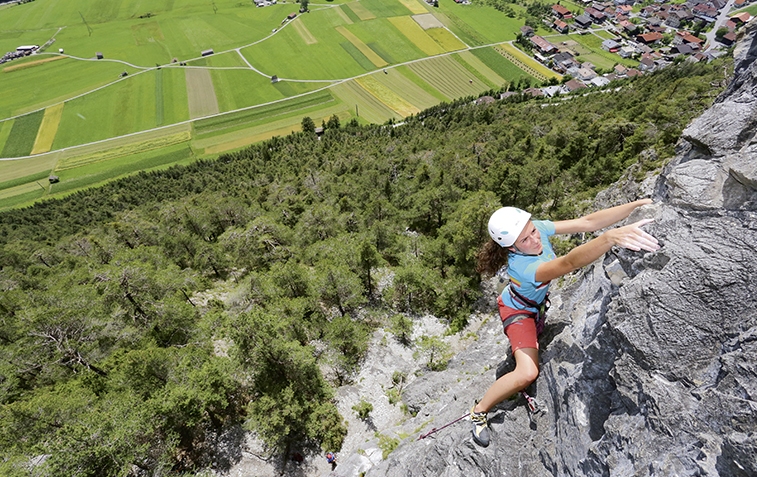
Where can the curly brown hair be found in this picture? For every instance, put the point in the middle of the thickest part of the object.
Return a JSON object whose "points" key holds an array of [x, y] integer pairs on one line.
{"points": [[491, 257]]}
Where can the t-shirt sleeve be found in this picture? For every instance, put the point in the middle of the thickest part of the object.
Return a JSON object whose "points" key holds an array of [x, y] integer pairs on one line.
{"points": [[546, 227]]}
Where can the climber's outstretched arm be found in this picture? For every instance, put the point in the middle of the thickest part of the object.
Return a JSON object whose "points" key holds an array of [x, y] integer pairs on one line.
{"points": [[630, 237], [598, 220]]}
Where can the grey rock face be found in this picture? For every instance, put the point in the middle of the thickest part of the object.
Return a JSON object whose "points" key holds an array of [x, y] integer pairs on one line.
{"points": [[649, 361]]}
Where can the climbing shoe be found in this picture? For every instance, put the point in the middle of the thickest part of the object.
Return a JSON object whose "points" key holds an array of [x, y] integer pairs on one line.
{"points": [[480, 427]]}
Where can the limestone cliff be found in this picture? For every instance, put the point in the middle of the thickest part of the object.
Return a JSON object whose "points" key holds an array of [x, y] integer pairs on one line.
{"points": [[649, 361]]}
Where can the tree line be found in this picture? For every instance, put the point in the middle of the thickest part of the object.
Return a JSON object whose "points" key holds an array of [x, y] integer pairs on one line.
{"points": [[141, 319]]}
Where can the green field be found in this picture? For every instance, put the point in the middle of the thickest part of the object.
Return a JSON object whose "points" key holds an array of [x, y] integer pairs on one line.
{"points": [[102, 171], [54, 82], [449, 77], [489, 24], [370, 60], [397, 80], [500, 65], [752, 10], [21, 138]]}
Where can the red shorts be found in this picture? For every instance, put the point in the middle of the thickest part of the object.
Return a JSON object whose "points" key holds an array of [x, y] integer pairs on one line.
{"points": [[522, 333]]}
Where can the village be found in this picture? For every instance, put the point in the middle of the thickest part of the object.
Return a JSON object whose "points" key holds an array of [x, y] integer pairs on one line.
{"points": [[656, 36]]}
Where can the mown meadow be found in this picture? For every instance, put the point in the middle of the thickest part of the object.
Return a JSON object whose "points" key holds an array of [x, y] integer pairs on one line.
{"points": [[371, 60]]}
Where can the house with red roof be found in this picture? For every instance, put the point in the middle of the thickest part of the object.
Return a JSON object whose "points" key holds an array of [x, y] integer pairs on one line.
{"points": [[742, 17], [560, 26], [543, 45], [561, 12], [648, 38]]}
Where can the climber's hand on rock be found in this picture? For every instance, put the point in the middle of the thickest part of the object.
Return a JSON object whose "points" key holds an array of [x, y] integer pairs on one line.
{"points": [[633, 238]]}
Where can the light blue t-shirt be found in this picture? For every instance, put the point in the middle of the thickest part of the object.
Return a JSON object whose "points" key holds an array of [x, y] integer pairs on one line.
{"points": [[522, 269]]}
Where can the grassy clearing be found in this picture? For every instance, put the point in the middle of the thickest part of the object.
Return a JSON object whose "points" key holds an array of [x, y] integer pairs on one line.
{"points": [[11, 37], [387, 96], [416, 7], [20, 181], [159, 105], [5, 131], [28, 166], [488, 23], [449, 77], [349, 13], [410, 28], [237, 89], [101, 172], [48, 129], [752, 10], [530, 65], [356, 55], [285, 124], [476, 65], [284, 53], [362, 47], [383, 37], [340, 12], [230, 59], [360, 11], [421, 83], [428, 21], [172, 97], [604, 34], [91, 118], [201, 93], [369, 108], [475, 73], [21, 139], [501, 65], [39, 186], [462, 30], [386, 8], [129, 149], [396, 81], [445, 39], [245, 119], [304, 33], [16, 97]]}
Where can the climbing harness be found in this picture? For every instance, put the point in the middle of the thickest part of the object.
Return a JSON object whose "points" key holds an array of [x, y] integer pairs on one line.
{"points": [[539, 316], [437, 429]]}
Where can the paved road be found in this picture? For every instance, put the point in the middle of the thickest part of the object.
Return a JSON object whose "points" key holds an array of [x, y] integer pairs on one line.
{"points": [[719, 22]]}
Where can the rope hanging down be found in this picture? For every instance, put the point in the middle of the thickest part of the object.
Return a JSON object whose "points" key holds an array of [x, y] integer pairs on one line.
{"points": [[533, 408], [437, 429]]}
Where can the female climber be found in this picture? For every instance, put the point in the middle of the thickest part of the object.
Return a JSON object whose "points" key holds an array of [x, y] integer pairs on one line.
{"points": [[523, 245]]}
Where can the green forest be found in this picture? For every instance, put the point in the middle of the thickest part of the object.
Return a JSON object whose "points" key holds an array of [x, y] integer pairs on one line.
{"points": [[140, 319]]}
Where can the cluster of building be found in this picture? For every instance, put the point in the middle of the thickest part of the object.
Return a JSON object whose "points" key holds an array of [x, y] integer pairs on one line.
{"points": [[655, 36], [649, 25], [20, 52]]}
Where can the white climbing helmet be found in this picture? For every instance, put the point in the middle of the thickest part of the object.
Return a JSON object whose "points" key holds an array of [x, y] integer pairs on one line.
{"points": [[506, 224]]}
